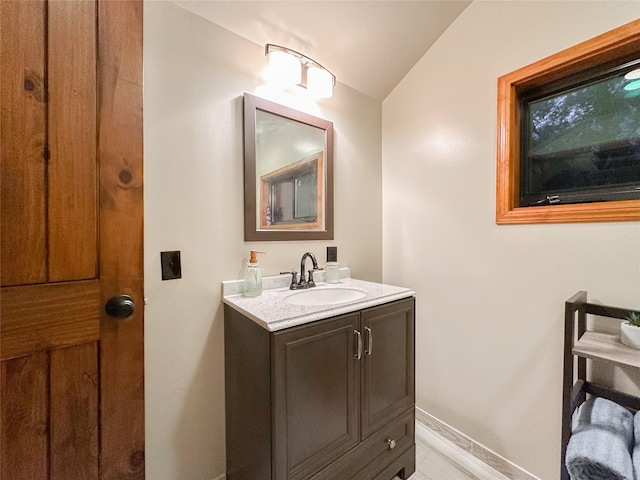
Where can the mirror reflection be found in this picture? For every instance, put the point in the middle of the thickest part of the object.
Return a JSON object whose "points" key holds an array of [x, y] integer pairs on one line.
{"points": [[290, 169], [288, 173]]}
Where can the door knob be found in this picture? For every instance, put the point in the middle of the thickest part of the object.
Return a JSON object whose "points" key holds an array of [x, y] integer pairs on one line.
{"points": [[120, 306]]}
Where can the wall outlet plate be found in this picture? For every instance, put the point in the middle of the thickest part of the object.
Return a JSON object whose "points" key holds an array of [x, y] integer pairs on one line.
{"points": [[171, 266], [332, 254]]}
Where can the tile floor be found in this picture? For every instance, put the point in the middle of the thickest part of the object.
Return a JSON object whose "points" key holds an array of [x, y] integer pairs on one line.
{"points": [[439, 459]]}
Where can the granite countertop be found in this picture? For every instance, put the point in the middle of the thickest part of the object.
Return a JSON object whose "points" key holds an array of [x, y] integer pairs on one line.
{"points": [[271, 312]]}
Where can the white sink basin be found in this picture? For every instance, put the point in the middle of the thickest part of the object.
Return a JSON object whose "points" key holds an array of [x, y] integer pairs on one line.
{"points": [[325, 296]]}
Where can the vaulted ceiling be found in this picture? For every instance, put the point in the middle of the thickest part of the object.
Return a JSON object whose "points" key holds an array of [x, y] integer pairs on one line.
{"points": [[369, 45]]}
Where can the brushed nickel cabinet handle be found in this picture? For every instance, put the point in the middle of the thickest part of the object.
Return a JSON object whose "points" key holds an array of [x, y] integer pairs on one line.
{"points": [[358, 354], [369, 349], [391, 443]]}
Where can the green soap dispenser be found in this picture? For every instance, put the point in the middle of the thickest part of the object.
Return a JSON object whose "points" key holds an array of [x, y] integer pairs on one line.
{"points": [[253, 276]]}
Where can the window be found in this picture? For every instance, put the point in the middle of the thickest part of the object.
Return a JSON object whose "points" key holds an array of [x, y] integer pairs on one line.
{"points": [[289, 195], [569, 134], [582, 144]]}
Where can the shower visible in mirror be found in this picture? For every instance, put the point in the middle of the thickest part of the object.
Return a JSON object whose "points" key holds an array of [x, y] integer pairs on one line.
{"points": [[288, 173]]}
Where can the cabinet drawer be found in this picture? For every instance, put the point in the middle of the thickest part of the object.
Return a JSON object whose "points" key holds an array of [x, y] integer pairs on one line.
{"points": [[386, 445], [374, 454]]}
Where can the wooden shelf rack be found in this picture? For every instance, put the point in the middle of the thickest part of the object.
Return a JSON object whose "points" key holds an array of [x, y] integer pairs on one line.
{"points": [[581, 344]]}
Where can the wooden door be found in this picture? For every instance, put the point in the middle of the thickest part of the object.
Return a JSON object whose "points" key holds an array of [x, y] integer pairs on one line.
{"points": [[388, 385], [71, 376], [316, 395]]}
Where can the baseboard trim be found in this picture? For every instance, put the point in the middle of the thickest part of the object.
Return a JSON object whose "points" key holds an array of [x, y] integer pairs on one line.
{"points": [[479, 451], [470, 446]]}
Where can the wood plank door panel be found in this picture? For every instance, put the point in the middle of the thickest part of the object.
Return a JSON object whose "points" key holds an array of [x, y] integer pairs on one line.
{"points": [[23, 241], [74, 414], [72, 167], [49, 315], [50, 415], [121, 237], [25, 399], [71, 231]]}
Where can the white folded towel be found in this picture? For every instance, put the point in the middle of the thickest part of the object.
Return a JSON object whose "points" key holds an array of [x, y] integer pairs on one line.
{"points": [[601, 442]]}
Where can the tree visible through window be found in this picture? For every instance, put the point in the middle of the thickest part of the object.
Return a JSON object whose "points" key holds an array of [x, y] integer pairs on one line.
{"points": [[583, 144]]}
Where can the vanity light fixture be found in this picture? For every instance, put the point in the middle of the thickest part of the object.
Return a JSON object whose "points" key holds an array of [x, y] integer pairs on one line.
{"points": [[288, 67]]}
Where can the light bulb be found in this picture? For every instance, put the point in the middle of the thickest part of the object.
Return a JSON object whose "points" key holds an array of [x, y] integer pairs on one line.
{"points": [[319, 82], [631, 86], [633, 74], [284, 68]]}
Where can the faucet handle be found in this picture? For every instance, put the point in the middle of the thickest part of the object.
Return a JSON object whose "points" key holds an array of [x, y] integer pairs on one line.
{"points": [[310, 282], [294, 279]]}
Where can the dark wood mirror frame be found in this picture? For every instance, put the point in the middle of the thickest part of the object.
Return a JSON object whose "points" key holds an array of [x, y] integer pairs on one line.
{"points": [[252, 233]]}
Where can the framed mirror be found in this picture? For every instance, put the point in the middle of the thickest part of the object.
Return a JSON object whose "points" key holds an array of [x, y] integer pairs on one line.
{"points": [[288, 173]]}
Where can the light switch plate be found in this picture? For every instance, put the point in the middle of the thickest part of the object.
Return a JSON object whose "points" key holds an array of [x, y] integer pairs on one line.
{"points": [[171, 266]]}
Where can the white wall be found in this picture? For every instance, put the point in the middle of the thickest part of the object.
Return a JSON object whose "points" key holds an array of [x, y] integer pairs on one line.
{"points": [[490, 299], [194, 76]]}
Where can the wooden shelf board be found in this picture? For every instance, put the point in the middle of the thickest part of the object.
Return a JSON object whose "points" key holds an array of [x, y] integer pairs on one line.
{"points": [[604, 346]]}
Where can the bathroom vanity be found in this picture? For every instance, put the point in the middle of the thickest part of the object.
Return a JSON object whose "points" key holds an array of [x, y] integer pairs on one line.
{"points": [[320, 392]]}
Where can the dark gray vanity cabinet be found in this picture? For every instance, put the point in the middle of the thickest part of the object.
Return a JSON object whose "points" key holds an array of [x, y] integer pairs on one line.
{"points": [[331, 399]]}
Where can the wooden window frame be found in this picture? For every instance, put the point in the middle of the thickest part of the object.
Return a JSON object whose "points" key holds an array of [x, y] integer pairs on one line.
{"points": [[265, 189], [604, 49]]}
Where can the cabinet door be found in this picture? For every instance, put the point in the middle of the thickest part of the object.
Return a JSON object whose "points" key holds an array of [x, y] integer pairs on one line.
{"points": [[316, 395], [388, 385]]}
